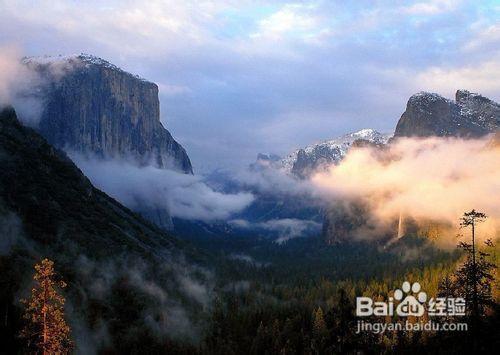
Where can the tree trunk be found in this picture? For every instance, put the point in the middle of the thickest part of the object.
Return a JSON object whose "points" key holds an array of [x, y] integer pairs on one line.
{"points": [[44, 311]]}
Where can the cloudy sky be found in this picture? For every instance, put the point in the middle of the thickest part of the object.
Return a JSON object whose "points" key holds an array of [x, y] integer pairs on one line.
{"points": [[241, 77]]}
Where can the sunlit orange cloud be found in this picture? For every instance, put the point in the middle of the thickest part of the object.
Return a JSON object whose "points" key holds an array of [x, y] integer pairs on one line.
{"points": [[432, 179]]}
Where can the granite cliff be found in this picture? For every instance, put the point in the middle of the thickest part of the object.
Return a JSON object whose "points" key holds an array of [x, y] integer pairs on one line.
{"points": [[470, 115], [428, 114], [92, 106]]}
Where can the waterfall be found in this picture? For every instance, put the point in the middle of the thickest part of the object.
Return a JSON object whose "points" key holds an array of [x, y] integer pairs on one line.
{"points": [[400, 225]]}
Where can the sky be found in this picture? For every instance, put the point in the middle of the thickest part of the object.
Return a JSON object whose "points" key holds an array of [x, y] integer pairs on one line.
{"points": [[241, 77]]}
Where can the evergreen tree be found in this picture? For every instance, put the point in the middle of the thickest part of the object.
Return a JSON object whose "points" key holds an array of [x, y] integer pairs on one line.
{"points": [[345, 320], [446, 287], [260, 344], [474, 277], [275, 335], [319, 330], [46, 330], [319, 325]]}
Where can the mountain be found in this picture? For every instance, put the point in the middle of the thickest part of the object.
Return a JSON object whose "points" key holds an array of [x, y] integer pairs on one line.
{"points": [[92, 106], [266, 160], [429, 114], [46, 190], [303, 162], [282, 212], [116, 263]]}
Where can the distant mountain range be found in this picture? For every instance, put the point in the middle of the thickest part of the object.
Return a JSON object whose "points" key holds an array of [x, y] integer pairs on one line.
{"points": [[91, 107], [427, 114], [277, 212], [305, 161]]}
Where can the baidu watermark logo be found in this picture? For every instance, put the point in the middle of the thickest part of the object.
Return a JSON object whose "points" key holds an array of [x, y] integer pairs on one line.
{"points": [[410, 300]]}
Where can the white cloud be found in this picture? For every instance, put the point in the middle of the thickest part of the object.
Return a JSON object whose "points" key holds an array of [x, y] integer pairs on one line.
{"points": [[289, 19], [479, 77], [432, 7], [184, 196], [290, 228], [132, 27], [486, 38], [286, 228], [18, 86], [427, 179], [173, 90], [237, 75]]}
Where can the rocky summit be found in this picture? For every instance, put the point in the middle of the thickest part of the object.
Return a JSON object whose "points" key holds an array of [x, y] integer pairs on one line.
{"points": [[92, 106], [429, 114], [303, 162]]}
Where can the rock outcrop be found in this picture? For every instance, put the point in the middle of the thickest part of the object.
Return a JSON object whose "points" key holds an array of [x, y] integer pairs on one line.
{"points": [[305, 161], [428, 114], [92, 106]]}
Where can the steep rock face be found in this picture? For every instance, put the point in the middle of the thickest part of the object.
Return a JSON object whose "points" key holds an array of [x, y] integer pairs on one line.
{"points": [[94, 108], [428, 114], [342, 221], [479, 109], [91, 106]]}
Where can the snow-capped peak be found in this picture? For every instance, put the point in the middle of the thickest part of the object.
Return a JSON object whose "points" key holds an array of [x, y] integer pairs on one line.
{"points": [[72, 60], [328, 152]]}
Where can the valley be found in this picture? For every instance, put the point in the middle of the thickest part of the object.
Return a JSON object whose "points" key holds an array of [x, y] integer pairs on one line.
{"points": [[266, 259]]}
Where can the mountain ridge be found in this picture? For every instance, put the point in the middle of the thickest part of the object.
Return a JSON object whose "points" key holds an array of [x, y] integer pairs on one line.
{"points": [[429, 114], [103, 250], [304, 161]]}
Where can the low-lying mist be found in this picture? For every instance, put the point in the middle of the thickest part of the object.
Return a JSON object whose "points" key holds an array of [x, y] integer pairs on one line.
{"points": [[182, 195], [21, 82], [429, 181]]}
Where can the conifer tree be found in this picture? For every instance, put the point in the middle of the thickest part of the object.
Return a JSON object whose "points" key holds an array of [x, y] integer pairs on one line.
{"points": [[46, 330], [319, 325], [474, 277], [319, 331]]}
